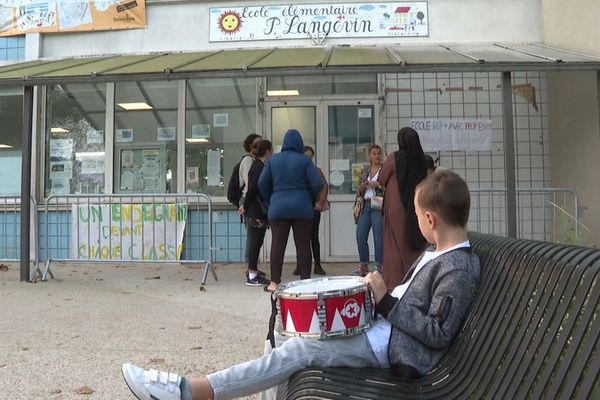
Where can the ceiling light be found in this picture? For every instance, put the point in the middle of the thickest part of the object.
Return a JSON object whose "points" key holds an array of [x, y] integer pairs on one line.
{"points": [[135, 106], [58, 130], [283, 93], [196, 140], [5, 146]]}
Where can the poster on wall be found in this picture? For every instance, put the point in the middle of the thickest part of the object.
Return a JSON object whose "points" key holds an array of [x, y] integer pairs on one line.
{"points": [[319, 20], [61, 149], [124, 135], [442, 134], [191, 176], [165, 134], [92, 165], [61, 170], [128, 231], [213, 168], [221, 120], [18, 17], [95, 137], [201, 131]]}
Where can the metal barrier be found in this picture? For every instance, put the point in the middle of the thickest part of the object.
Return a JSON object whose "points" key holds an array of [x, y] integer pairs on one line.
{"points": [[10, 232], [133, 228], [549, 214]]}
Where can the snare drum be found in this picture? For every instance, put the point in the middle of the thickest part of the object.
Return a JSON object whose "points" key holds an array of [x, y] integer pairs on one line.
{"points": [[324, 308]]}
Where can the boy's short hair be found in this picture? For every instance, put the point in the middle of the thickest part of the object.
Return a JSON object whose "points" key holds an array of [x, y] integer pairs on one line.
{"points": [[445, 193], [249, 141]]}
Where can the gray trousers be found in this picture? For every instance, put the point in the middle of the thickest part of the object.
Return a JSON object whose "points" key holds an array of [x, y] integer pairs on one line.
{"points": [[295, 354]]}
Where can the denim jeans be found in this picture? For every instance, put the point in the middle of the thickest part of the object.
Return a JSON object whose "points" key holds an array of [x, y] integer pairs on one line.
{"points": [[295, 354], [368, 219]]}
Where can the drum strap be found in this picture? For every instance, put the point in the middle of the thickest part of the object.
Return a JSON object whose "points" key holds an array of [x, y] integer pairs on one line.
{"points": [[272, 319]]}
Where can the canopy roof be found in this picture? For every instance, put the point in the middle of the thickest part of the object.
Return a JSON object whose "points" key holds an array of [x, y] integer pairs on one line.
{"points": [[339, 59]]}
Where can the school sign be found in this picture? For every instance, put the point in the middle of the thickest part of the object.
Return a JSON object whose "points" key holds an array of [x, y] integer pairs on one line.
{"points": [[150, 232], [301, 21]]}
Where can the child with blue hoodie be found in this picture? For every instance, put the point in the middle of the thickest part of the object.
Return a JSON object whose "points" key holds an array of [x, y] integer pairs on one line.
{"points": [[290, 183], [415, 325]]}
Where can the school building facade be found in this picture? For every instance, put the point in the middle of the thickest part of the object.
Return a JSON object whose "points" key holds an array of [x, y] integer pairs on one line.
{"points": [[504, 93]]}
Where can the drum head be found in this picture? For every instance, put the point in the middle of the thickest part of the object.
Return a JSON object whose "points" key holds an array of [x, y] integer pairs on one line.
{"points": [[322, 286]]}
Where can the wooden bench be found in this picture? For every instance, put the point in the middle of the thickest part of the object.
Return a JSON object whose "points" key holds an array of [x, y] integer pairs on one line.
{"points": [[532, 332]]}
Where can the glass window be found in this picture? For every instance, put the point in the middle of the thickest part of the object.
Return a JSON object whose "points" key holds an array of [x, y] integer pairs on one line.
{"points": [[304, 119], [351, 132], [11, 126], [12, 48], [219, 114], [146, 137], [314, 85], [75, 153]]}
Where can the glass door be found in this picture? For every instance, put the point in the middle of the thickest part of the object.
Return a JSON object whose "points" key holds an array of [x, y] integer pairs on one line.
{"points": [[282, 116], [340, 133], [351, 128]]}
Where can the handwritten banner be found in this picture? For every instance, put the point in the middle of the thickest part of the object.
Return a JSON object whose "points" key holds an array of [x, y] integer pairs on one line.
{"points": [[23, 16], [301, 21], [128, 231], [454, 134]]}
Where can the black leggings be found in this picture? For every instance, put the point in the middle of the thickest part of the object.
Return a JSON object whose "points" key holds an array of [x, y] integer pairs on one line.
{"points": [[256, 237], [314, 237], [280, 229]]}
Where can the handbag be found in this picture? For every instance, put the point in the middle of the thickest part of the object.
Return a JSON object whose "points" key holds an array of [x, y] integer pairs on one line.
{"points": [[357, 207], [377, 199]]}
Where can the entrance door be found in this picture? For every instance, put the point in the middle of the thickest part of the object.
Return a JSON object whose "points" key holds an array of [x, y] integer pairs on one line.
{"points": [[340, 133], [281, 117], [350, 129]]}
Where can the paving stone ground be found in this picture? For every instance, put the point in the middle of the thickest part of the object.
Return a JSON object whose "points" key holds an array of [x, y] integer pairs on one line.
{"points": [[76, 330]]}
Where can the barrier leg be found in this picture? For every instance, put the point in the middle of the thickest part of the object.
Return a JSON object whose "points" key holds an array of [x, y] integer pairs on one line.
{"points": [[208, 266], [47, 271], [36, 271]]}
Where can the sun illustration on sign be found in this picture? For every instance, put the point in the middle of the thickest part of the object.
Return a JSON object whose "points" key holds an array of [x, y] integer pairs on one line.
{"points": [[230, 22]]}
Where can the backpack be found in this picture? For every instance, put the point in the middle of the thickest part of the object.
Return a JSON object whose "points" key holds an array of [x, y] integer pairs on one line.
{"points": [[234, 190]]}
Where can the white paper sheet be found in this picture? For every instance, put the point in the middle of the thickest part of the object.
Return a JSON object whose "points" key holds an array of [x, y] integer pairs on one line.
{"points": [[213, 168], [339, 165]]}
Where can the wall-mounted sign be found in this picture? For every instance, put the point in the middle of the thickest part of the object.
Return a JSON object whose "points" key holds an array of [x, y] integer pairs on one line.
{"points": [[302, 21], [23, 16], [437, 134]]}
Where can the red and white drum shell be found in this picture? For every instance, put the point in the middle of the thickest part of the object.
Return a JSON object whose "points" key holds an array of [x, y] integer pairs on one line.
{"points": [[324, 308]]}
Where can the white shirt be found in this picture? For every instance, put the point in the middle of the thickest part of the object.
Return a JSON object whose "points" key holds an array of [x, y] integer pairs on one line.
{"points": [[245, 166], [370, 193], [379, 334]]}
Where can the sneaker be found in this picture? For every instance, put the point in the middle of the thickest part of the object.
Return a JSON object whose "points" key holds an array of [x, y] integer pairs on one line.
{"points": [[257, 281], [258, 271], [296, 271], [151, 384], [360, 271]]}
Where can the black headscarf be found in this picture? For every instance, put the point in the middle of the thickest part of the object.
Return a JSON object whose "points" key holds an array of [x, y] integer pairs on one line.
{"points": [[410, 170]]}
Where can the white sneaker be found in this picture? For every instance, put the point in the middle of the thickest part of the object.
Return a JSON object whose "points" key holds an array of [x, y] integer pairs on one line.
{"points": [[151, 384]]}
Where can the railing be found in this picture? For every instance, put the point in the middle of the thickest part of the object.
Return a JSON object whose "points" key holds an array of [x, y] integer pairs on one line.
{"points": [[129, 228], [10, 231], [550, 214]]}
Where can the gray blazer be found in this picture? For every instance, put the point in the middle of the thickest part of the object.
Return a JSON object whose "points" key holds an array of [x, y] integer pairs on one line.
{"points": [[428, 317]]}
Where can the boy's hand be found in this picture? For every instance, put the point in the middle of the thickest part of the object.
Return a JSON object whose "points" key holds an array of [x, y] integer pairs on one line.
{"points": [[375, 280]]}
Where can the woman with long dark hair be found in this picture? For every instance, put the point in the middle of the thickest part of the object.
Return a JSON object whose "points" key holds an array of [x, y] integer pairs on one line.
{"points": [[402, 240]]}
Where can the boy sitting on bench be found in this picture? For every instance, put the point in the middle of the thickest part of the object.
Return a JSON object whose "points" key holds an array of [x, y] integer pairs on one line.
{"points": [[415, 326]]}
